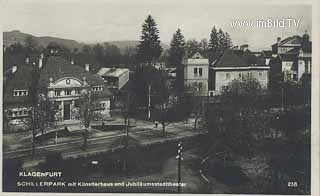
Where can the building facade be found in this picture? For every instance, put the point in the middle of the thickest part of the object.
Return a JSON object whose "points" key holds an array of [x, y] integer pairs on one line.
{"points": [[294, 56], [196, 73], [59, 81], [115, 78], [236, 64]]}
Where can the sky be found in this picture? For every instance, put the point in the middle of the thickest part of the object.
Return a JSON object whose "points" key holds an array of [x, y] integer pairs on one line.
{"points": [[109, 20]]}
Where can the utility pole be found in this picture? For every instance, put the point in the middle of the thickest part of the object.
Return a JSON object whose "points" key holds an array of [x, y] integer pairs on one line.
{"points": [[179, 157], [282, 98], [149, 101], [128, 110]]}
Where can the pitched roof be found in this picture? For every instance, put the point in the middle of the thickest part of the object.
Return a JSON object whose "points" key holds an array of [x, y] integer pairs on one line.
{"points": [[57, 67], [113, 72], [267, 53], [19, 80], [288, 57], [229, 59], [249, 57]]}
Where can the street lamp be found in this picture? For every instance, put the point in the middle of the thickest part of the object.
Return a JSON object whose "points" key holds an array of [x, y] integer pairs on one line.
{"points": [[180, 158]]}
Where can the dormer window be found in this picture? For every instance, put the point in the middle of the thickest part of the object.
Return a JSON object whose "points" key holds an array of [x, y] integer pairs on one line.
{"points": [[97, 88], [17, 93]]}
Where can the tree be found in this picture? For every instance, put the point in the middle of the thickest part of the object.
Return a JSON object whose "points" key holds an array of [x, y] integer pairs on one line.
{"points": [[213, 42], [192, 46], [244, 94], [236, 115], [203, 45], [87, 112], [219, 41], [176, 54], [149, 49], [227, 41], [31, 43]]}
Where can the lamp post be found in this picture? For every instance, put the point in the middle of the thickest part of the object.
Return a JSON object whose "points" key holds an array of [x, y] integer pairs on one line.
{"points": [[179, 157]]}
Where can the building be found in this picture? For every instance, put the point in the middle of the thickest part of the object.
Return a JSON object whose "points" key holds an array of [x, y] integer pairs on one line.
{"points": [[61, 82], [65, 83], [196, 73], [115, 78], [292, 57], [236, 64]]}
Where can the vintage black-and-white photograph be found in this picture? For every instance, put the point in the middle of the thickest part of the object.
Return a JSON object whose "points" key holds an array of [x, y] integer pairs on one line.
{"points": [[156, 97]]}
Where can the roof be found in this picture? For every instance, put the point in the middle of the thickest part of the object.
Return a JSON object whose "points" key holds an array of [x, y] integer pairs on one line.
{"points": [[238, 58], [19, 80], [104, 93], [57, 67], [296, 40], [267, 53], [288, 57], [229, 59], [112, 72]]}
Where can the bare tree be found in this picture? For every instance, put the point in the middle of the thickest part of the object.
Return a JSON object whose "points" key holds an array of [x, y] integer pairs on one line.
{"points": [[88, 112]]}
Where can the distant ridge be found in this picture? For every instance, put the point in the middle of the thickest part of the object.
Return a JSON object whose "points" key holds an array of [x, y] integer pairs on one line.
{"points": [[11, 37]]}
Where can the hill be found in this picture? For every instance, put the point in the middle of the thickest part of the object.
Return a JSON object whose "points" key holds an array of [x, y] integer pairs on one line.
{"points": [[11, 37]]}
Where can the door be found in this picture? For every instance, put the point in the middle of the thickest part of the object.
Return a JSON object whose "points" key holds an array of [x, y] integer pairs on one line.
{"points": [[66, 112]]}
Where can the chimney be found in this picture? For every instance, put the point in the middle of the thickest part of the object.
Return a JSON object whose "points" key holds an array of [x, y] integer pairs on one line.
{"points": [[278, 40], [14, 68], [27, 60], [244, 47], [87, 67]]}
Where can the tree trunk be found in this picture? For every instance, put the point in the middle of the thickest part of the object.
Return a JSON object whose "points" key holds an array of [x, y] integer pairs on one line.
{"points": [[163, 127]]}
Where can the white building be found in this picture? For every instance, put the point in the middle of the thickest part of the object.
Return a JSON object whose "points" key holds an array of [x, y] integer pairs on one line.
{"points": [[196, 73], [115, 77]]}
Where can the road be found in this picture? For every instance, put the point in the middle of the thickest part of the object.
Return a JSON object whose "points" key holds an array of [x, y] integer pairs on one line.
{"points": [[144, 135]]}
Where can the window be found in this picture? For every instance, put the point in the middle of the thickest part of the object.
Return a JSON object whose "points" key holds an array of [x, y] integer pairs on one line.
{"points": [[200, 86], [240, 75], [102, 105], [228, 75], [20, 93], [200, 72], [195, 72], [68, 92], [67, 81], [99, 88], [295, 77], [57, 92], [260, 74]]}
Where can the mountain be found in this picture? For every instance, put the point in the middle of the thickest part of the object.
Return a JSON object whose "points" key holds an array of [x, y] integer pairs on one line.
{"points": [[11, 37], [17, 36]]}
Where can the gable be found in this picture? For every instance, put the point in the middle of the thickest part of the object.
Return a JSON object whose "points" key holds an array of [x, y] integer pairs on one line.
{"points": [[66, 82]]}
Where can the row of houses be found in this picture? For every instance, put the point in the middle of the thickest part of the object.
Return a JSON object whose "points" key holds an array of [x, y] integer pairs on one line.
{"points": [[290, 58], [65, 82]]}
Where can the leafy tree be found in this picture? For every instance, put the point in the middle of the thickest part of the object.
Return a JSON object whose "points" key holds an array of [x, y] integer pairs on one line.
{"points": [[88, 111], [31, 43], [192, 46], [176, 54], [203, 46], [112, 54], [244, 95], [149, 49]]}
